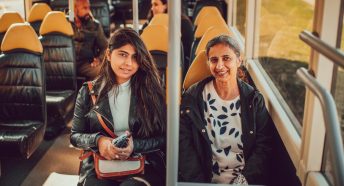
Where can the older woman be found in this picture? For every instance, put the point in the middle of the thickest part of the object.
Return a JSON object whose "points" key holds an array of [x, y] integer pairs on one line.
{"points": [[224, 127]]}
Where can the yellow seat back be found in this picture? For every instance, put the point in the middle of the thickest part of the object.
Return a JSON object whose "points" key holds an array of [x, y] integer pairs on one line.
{"points": [[159, 19], [21, 36], [9, 18], [56, 21], [38, 12], [155, 37], [208, 21], [211, 33], [198, 70], [205, 11]]}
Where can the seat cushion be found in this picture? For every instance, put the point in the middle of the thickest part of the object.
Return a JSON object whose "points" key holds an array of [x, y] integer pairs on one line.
{"points": [[60, 102], [20, 138]]}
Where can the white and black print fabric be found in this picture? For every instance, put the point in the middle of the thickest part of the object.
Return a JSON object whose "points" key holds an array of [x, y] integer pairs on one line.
{"points": [[224, 130]]}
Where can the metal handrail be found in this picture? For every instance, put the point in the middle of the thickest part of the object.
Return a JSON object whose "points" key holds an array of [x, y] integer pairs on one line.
{"points": [[335, 55], [173, 87], [331, 123], [136, 15]]}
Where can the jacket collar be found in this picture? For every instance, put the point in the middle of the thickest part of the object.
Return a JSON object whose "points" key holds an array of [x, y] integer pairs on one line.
{"points": [[246, 91], [194, 102], [103, 106]]}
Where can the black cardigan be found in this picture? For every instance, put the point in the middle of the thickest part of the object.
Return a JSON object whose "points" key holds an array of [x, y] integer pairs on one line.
{"points": [[195, 155]]}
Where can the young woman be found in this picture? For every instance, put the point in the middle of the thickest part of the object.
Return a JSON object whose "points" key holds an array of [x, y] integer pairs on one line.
{"points": [[129, 97], [225, 129]]}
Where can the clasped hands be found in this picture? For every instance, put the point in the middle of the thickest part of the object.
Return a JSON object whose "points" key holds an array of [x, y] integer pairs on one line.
{"points": [[111, 152]]}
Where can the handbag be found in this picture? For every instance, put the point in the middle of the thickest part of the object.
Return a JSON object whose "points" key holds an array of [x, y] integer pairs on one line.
{"points": [[113, 169]]}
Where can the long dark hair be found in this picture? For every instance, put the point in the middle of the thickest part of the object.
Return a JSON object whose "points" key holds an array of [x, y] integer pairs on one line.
{"points": [[145, 83]]}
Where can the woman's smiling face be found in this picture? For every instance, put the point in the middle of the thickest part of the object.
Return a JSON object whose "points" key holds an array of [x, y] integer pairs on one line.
{"points": [[123, 62], [223, 62]]}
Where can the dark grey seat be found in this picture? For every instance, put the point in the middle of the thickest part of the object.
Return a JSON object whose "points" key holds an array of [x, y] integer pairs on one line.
{"points": [[59, 58], [101, 12], [22, 92], [99, 8]]}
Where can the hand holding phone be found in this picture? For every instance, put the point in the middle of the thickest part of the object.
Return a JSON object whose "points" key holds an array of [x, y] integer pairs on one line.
{"points": [[122, 140]]}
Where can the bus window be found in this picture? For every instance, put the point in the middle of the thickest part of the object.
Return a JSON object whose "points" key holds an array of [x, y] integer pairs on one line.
{"points": [[281, 52], [338, 94], [12, 5], [240, 22]]}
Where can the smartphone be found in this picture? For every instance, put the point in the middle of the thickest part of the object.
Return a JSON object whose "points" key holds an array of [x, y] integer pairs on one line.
{"points": [[122, 140]]}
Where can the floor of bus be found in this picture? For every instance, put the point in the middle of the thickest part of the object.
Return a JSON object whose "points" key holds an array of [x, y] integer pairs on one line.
{"points": [[55, 155]]}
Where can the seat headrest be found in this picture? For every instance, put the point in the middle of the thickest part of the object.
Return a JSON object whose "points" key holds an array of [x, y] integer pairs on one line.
{"points": [[21, 36], [159, 19], [56, 21], [38, 12], [9, 18], [208, 21], [155, 37], [198, 70], [211, 33], [205, 11]]}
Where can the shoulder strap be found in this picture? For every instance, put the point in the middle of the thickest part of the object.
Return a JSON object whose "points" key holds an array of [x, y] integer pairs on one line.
{"points": [[101, 121], [90, 88]]}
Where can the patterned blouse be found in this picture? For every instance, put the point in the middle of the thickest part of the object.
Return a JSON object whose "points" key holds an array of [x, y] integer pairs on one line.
{"points": [[224, 130]]}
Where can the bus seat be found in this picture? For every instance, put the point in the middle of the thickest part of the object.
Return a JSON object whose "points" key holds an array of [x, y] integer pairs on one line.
{"points": [[205, 11], [59, 59], [204, 25], [22, 93], [157, 48], [37, 14], [100, 10], [6, 20], [219, 4], [123, 10], [59, 5], [159, 19], [40, 1], [211, 33], [208, 21], [198, 70], [149, 37]]}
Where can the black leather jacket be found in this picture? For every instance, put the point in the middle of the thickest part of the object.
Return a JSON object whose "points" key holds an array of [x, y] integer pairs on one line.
{"points": [[195, 155], [86, 130]]}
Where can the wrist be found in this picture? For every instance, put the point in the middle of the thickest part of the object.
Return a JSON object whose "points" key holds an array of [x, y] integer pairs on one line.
{"points": [[99, 138]]}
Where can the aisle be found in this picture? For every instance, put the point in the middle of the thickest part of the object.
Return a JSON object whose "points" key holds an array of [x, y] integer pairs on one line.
{"points": [[60, 158]]}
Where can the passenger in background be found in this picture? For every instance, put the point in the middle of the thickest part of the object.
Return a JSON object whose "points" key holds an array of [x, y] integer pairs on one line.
{"points": [[225, 129], [129, 98], [89, 39], [160, 7]]}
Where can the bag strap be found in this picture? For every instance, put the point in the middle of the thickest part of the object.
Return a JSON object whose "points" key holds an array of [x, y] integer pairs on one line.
{"points": [[101, 121]]}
